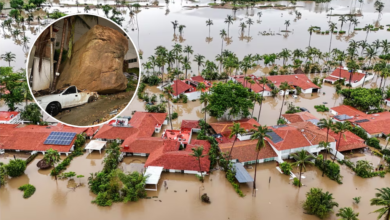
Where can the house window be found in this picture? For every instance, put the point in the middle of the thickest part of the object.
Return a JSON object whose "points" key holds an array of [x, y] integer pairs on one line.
{"points": [[132, 60]]}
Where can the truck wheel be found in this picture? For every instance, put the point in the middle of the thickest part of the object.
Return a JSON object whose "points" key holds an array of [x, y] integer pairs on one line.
{"points": [[53, 109], [91, 99]]}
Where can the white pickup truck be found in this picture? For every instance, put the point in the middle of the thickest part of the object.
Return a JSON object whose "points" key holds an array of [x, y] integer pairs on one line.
{"points": [[67, 98]]}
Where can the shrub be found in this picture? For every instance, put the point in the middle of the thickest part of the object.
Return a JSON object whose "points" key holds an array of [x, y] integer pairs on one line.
{"points": [[232, 179], [16, 167], [374, 142], [357, 199], [321, 108], [28, 190], [185, 99], [319, 203], [3, 174], [281, 121], [31, 158], [175, 115], [332, 170], [296, 182], [286, 168]]}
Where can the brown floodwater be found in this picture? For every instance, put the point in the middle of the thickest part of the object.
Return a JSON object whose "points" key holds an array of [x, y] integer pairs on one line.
{"points": [[277, 199]]}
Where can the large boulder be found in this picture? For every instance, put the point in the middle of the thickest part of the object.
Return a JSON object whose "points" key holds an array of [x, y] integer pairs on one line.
{"points": [[97, 62]]}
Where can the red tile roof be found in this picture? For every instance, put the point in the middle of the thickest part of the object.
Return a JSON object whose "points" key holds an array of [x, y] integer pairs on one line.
{"points": [[197, 78], [142, 124], [181, 87], [256, 87], [91, 131], [245, 151], [376, 126], [224, 127], [170, 157], [299, 117], [32, 137], [297, 135], [300, 80], [348, 110], [349, 141], [189, 124], [345, 74], [144, 145], [6, 116]]}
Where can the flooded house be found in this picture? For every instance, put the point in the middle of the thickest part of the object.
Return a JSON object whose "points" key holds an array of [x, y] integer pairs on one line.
{"points": [[295, 81], [37, 138], [299, 117], [356, 78], [375, 125], [188, 87], [7, 117], [256, 86]]}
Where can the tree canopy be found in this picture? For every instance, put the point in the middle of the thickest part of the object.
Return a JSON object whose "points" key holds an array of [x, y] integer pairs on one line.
{"points": [[231, 98], [362, 98]]}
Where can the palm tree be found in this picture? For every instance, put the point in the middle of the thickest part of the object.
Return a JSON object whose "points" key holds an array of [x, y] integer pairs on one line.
{"points": [[343, 20], [204, 98], [368, 28], [198, 153], [347, 213], [175, 24], [168, 90], [263, 80], [332, 27], [181, 28], [327, 148], [284, 86], [242, 27], [188, 49], [379, 7], [229, 20], [285, 54], [370, 53], [223, 35], [311, 30], [235, 131], [385, 46], [199, 59], [52, 157], [249, 22], [259, 134], [328, 124], [340, 128], [301, 160], [8, 57], [287, 23], [209, 23], [382, 199]]}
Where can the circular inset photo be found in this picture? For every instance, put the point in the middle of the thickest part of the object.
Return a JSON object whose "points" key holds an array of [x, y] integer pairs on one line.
{"points": [[83, 70]]}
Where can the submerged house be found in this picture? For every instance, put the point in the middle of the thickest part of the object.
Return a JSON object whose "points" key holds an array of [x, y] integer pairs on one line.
{"points": [[356, 78], [375, 125], [299, 117], [36, 138], [295, 80]]}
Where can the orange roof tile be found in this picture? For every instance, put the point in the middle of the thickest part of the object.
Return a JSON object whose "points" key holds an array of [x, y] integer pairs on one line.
{"points": [[222, 127], [246, 150], [299, 117], [300, 80], [345, 74], [189, 124], [349, 141], [180, 87], [6, 116]]}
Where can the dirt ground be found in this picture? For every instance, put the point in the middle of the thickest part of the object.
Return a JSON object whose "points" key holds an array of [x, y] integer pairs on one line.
{"points": [[100, 109]]}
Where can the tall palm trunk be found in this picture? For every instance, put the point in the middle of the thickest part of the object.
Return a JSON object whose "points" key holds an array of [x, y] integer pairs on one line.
{"points": [[231, 149], [254, 180], [60, 56], [365, 75], [337, 148], [169, 112], [200, 170], [284, 95], [300, 175]]}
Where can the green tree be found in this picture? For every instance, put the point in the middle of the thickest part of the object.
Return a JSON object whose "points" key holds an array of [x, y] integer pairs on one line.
{"points": [[235, 131], [32, 113], [111, 159], [347, 213], [311, 30], [301, 160], [174, 24], [16, 4], [319, 203], [229, 20], [13, 84], [209, 23], [8, 57], [287, 23], [362, 98], [133, 186], [382, 198], [168, 90], [340, 128], [259, 134], [199, 59], [52, 157], [16, 167], [197, 152]]}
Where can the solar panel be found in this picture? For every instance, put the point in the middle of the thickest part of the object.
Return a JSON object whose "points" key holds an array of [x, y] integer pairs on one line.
{"points": [[362, 120], [60, 138], [342, 117], [275, 137], [314, 121]]}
